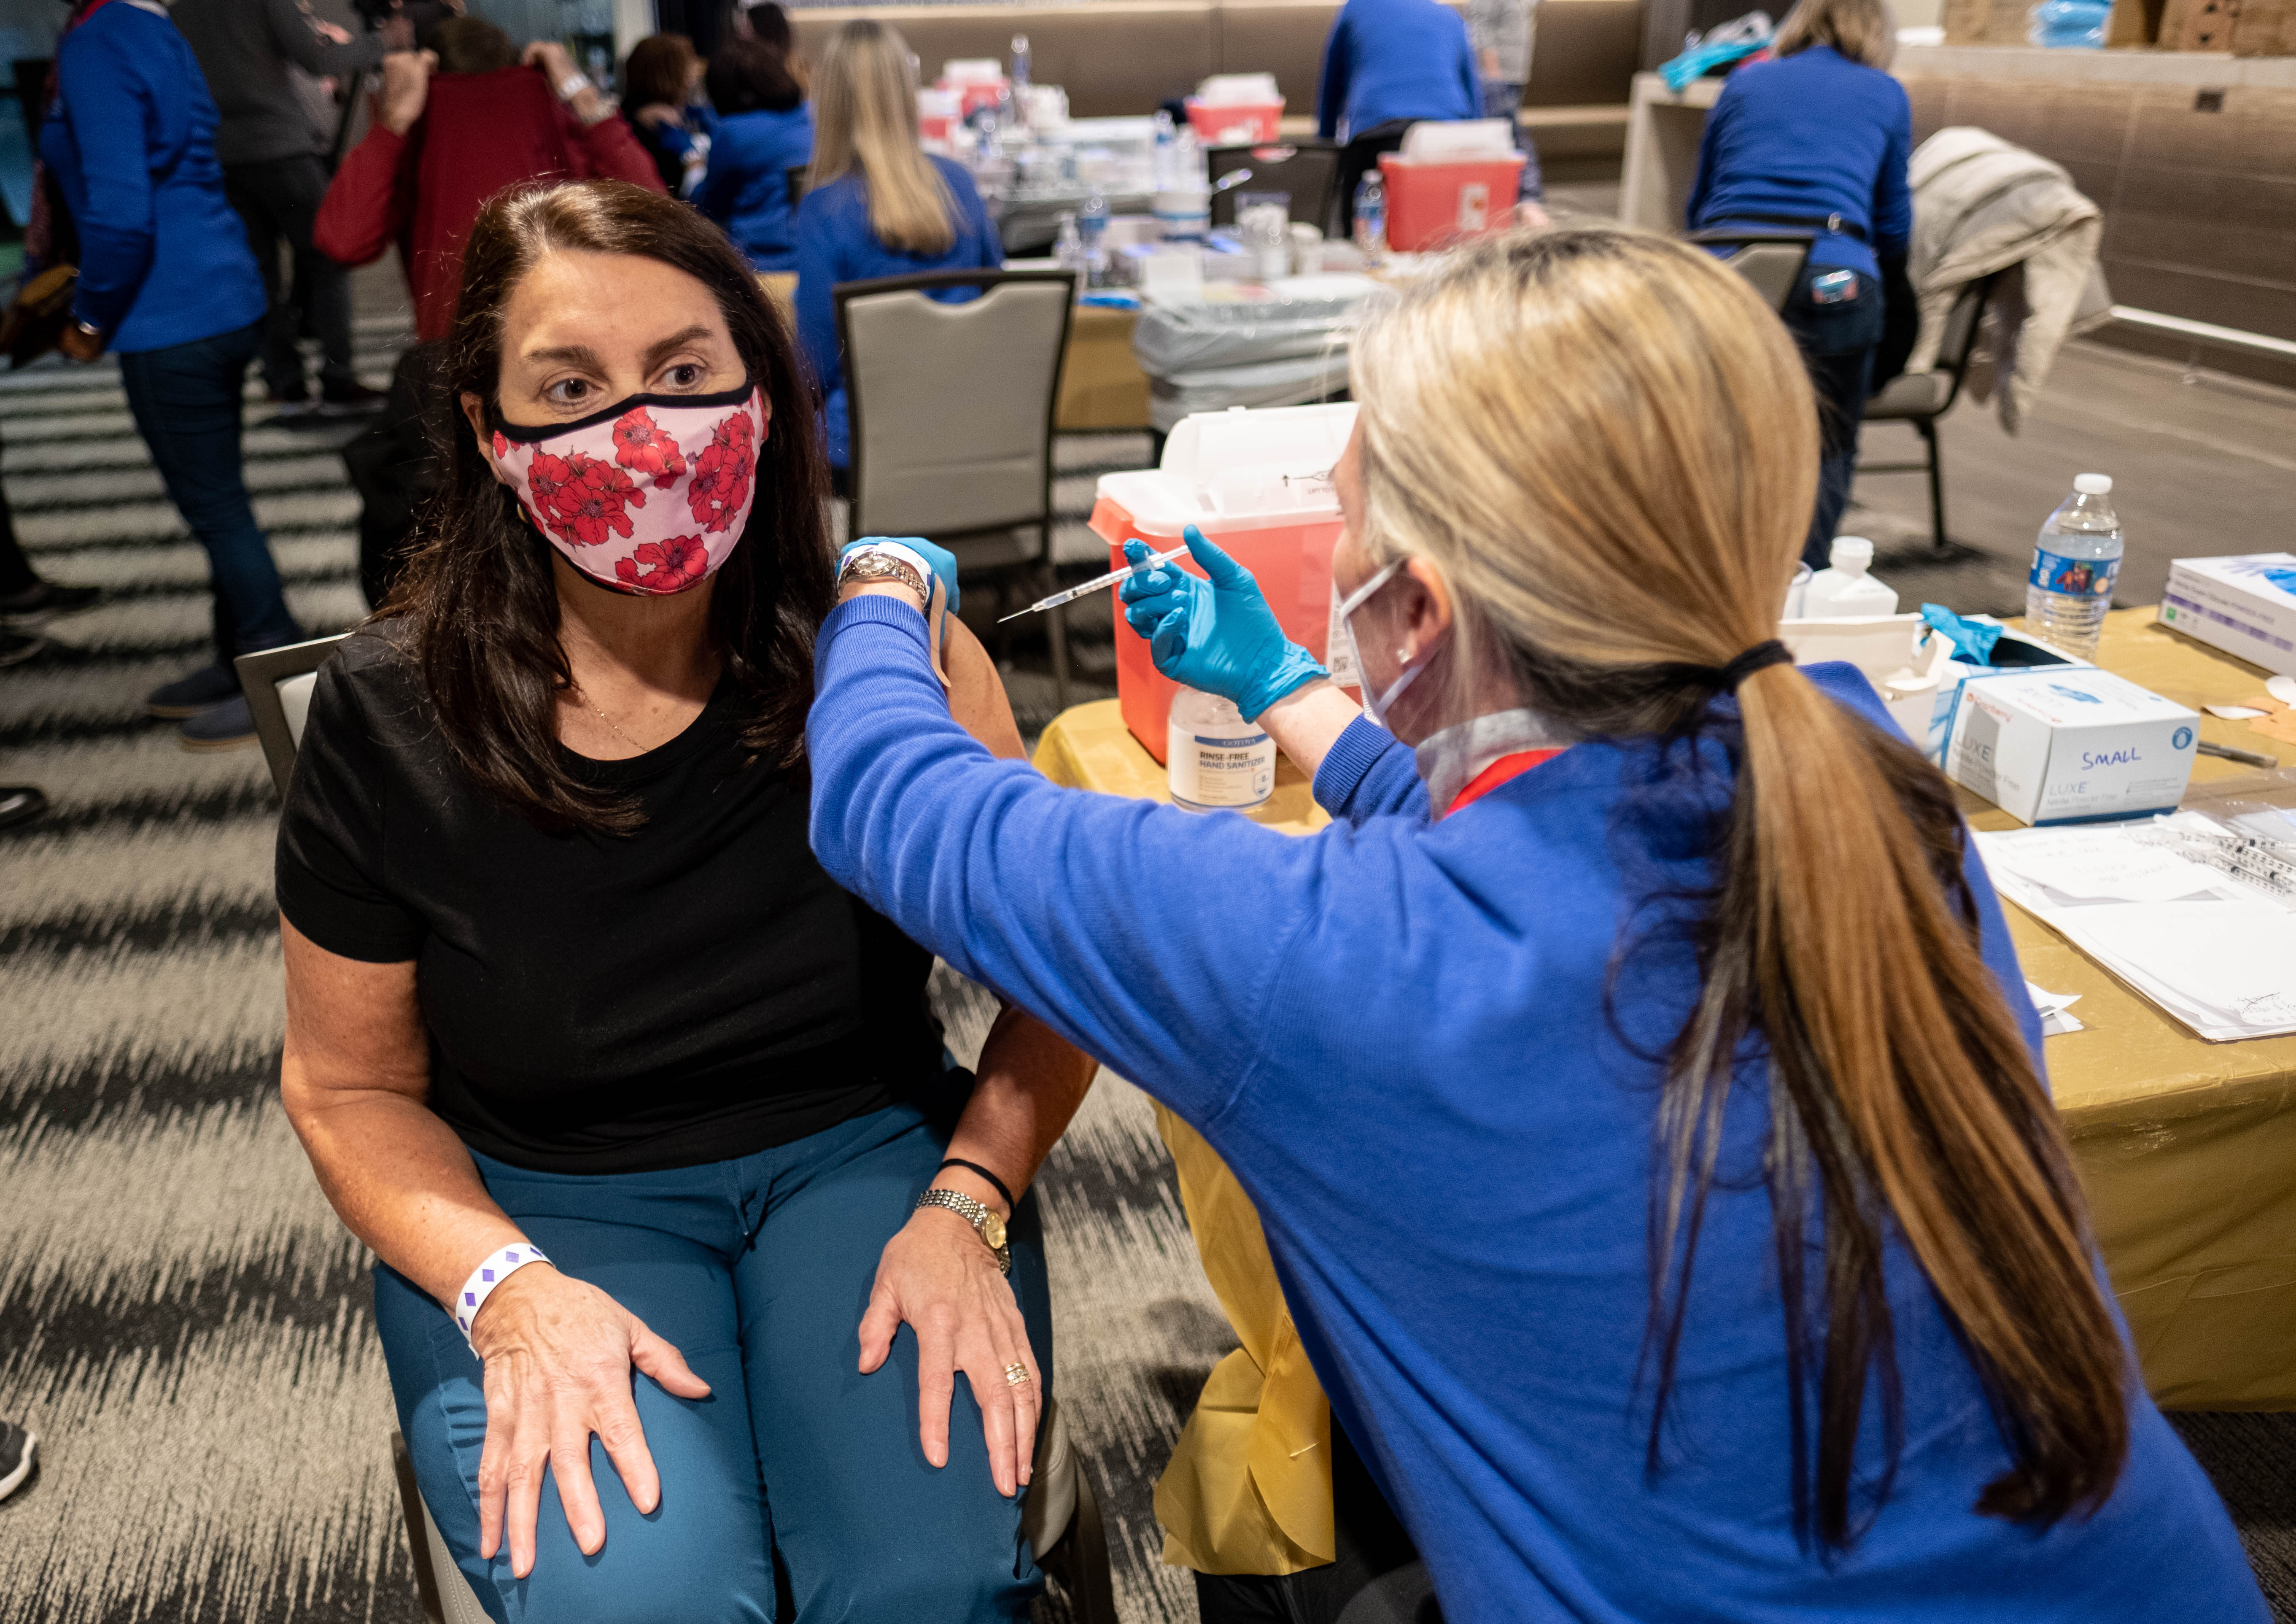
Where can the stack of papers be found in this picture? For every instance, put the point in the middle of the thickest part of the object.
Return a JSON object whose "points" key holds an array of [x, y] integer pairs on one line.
{"points": [[2217, 952]]}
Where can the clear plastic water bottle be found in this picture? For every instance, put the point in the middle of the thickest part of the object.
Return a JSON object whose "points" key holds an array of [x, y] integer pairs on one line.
{"points": [[2080, 24], [1092, 229], [1068, 247], [1159, 161], [2075, 564], [1020, 61], [1371, 214]]}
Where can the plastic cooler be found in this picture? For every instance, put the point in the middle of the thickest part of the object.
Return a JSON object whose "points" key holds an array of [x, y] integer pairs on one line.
{"points": [[1235, 123], [1429, 205], [1256, 482]]}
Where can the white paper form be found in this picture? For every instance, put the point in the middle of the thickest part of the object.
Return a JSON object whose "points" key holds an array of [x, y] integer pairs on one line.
{"points": [[2215, 954], [2097, 865]]}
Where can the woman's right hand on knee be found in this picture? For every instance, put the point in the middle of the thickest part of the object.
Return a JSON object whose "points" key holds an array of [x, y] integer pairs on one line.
{"points": [[558, 1355]]}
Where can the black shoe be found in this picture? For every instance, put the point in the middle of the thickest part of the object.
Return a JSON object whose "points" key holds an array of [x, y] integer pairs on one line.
{"points": [[45, 600], [20, 803], [18, 1449], [352, 399], [17, 647], [226, 727], [189, 695]]}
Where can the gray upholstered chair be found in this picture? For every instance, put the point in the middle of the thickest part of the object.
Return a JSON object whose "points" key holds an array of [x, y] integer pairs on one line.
{"points": [[1771, 261], [1060, 1519], [951, 409], [278, 683], [1920, 398]]}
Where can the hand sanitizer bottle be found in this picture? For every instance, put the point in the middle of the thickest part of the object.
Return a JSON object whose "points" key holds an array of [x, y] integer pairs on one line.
{"points": [[1846, 589], [1215, 760]]}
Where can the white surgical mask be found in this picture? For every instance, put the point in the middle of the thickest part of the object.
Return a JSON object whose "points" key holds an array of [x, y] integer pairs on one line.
{"points": [[1375, 706]]}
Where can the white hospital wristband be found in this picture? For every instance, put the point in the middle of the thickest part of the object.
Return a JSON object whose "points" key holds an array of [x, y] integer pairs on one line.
{"points": [[492, 1271]]}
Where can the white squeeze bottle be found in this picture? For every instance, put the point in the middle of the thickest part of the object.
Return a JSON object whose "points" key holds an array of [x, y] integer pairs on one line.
{"points": [[2075, 564], [1845, 588], [1215, 760]]}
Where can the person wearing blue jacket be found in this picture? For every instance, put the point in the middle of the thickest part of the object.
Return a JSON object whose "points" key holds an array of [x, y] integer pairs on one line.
{"points": [[1820, 139], [1388, 64], [167, 282], [761, 131], [1635, 1082], [880, 205]]}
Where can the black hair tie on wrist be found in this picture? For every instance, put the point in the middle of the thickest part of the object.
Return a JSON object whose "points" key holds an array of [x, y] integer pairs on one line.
{"points": [[974, 1167]]}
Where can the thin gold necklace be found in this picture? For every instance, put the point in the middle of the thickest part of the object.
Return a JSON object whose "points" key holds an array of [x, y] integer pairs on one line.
{"points": [[608, 720]]}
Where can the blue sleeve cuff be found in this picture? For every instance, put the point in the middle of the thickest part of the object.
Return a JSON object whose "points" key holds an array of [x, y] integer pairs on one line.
{"points": [[870, 609], [1352, 756]]}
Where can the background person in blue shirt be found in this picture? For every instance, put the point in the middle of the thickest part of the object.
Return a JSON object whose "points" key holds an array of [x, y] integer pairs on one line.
{"points": [[878, 204], [1821, 138], [1636, 1084], [1386, 65], [762, 131], [167, 280]]}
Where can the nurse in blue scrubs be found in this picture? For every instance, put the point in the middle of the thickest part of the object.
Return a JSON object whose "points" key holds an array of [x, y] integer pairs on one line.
{"points": [[1635, 1082]]}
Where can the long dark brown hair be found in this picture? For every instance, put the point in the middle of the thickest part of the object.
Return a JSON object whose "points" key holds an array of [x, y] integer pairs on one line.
{"points": [[1607, 445], [479, 599]]}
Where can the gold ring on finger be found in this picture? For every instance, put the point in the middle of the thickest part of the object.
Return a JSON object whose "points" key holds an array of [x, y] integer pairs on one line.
{"points": [[1016, 1374]]}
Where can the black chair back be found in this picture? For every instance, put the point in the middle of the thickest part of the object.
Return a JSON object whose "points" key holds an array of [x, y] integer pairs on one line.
{"points": [[1308, 170]]}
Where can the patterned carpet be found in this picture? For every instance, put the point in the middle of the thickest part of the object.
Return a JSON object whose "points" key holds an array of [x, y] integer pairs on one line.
{"points": [[181, 1319]]}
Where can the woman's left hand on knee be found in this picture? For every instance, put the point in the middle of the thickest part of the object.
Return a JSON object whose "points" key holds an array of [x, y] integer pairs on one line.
{"points": [[935, 1275]]}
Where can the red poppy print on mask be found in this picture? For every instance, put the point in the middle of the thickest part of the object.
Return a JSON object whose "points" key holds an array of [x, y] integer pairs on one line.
{"points": [[641, 447], [665, 566], [579, 499], [502, 445], [723, 471]]}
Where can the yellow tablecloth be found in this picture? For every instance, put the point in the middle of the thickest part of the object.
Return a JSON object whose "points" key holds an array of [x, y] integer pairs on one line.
{"points": [[2187, 1150]]}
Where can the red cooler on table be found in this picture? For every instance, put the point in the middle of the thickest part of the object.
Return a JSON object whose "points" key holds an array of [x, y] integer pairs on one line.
{"points": [[1235, 123], [1258, 484], [1430, 205]]}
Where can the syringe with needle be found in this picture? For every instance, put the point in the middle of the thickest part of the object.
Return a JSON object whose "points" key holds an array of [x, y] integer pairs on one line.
{"points": [[1096, 584]]}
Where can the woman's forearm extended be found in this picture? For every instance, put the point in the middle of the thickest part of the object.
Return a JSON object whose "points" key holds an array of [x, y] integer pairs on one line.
{"points": [[1031, 1082], [354, 1079], [1308, 721]]}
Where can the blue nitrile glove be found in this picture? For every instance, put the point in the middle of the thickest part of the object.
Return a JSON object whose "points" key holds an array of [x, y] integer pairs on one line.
{"points": [[1972, 640], [1217, 636], [943, 562]]}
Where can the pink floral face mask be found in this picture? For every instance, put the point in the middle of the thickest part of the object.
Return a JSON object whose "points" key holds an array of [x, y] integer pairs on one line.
{"points": [[647, 497]]}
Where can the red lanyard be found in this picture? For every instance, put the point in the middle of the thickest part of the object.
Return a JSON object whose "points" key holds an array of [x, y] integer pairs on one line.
{"points": [[1497, 773], [85, 15]]}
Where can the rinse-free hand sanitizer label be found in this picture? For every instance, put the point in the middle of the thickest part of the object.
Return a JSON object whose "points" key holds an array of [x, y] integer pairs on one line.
{"points": [[1210, 771]]}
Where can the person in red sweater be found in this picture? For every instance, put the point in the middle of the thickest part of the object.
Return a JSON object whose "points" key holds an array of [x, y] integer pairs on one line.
{"points": [[452, 127]]}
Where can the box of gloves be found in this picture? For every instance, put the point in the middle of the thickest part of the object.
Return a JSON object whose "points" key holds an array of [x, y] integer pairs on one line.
{"points": [[2070, 744], [2244, 605]]}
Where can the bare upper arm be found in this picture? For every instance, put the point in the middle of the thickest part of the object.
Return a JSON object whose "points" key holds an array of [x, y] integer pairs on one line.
{"points": [[976, 694], [351, 1026]]}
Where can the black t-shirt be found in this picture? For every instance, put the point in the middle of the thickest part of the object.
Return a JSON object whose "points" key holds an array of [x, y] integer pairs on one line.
{"points": [[694, 991]]}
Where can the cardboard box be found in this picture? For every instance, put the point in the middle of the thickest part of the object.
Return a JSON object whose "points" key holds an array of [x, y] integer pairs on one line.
{"points": [[2245, 605], [2071, 745]]}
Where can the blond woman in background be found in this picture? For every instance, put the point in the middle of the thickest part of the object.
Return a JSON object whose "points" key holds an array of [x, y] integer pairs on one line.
{"points": [[876, 203]]}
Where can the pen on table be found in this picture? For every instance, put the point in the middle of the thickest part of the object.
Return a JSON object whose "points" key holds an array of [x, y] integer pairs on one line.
{"points": [[2252, 757]]}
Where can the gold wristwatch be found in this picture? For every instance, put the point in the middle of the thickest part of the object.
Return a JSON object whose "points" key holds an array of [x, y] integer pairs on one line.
{"points": [[985, 1221], [874, 566]]}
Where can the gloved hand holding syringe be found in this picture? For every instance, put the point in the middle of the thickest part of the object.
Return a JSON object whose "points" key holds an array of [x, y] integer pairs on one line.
{"points": [[1098, 583]]}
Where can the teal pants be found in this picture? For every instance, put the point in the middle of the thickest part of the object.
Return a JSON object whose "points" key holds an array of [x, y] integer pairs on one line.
{"points": [[798, 1491]]}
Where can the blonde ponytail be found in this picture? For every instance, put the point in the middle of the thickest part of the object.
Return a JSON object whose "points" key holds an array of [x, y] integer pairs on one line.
{"points": [[865, 105], [1607, 445]]}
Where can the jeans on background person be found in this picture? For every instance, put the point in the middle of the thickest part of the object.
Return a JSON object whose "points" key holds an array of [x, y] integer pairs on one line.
{"points": [[279, 199], [1504, 100], [186, 401], [798, 1478], [1837, 325]]}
